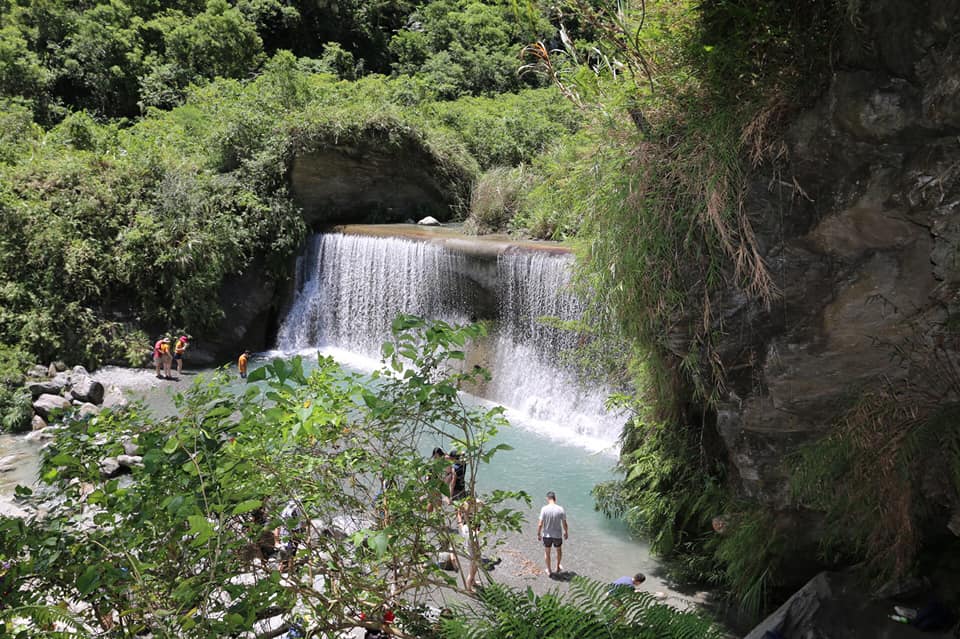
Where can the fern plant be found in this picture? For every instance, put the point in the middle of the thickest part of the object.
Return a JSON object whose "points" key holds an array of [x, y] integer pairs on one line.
{"points": [[53, 622], [590, 610]]}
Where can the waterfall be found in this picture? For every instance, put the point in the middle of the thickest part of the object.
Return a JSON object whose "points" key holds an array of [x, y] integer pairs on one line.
{"points": [[349, 288]]}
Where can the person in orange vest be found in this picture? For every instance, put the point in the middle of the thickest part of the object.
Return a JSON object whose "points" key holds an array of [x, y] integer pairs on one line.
{"points": [[242, 363], [179, 348], [166, 357]]}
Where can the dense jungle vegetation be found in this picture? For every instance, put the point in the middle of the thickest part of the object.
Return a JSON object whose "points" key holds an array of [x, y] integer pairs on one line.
{"points": [[145, 148]]}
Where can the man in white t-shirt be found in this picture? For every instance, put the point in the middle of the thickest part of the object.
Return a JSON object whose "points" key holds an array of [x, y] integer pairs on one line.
{"points": [[552, 523]]}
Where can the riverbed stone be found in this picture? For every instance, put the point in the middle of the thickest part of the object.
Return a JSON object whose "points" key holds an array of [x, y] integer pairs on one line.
{"points": [[88, 410], [45, 387], [40, 435], [87, 389], [48, 404], [37, 423], [110, 467], [130, 447], [130, 461], [37, 371], [113, 398], [10, 509], [428, 221], [835, 605]]}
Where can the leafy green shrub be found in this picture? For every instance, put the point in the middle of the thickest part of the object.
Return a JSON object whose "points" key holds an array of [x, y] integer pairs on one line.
{"points": [[16, 410], [166, 549]]}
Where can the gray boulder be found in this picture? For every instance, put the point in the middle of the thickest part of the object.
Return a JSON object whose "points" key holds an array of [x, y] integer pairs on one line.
{"points": [[37, 371], [10, 509], [109, 467], [40, 435], [130, 447], [45, 387], [86, 389], [113, 398], [47, 404], [835, 605], [59, 366], [88, 410], [51, 370], [130, 461], [429, 221], [37, 423]]}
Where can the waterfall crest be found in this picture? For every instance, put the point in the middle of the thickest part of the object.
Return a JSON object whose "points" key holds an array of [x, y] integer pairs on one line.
{"points": [[349, 288]]}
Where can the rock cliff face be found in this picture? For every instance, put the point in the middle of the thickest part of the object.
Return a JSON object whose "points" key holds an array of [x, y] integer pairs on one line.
{"points": [[860, 229], [372, 181]]}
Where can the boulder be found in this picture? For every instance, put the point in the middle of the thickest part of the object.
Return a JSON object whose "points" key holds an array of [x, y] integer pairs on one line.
{"points": [[37, 423], [63, 379], [130, 461], [88, 410], [87, 389], [113, 398], [10, 509], [51, 370], [429, 221], [40, 435], [59, 366], [37, 371], [130, 447], [79, 371], [835, 606], [110, 467], [46, 387], [47, 404]]}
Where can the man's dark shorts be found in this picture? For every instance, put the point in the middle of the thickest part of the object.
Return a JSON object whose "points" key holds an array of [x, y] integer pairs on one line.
{"points": [[556, 542]]}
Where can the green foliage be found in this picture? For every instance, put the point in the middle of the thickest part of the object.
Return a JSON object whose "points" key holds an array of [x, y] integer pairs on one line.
{"points": [[16, 405], [466, 47], [495, 197], [590, 609], [339, 449]]}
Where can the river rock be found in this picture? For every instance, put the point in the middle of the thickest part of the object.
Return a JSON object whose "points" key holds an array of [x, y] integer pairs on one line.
{"points": [[429, 221], [10, 509], [88, 410], [37, 423], [51, 370], [834, 606], [48, 403], [130, 447], [109, 467], [37, 371], [59, 365], [87, 389], [63, 379], [113, 398], [130, 461], [46, 387], [40, 435]]}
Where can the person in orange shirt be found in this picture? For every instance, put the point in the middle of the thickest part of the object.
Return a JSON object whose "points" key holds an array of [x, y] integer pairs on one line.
{"points": [[178, 349], [166, 357], [242, 363]]}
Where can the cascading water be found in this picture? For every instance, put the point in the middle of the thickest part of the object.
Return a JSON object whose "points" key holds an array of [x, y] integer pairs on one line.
{"points": [[350, 288]]}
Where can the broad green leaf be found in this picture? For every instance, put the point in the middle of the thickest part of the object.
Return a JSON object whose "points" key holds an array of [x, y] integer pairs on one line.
{"points": [[246, 506]]}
